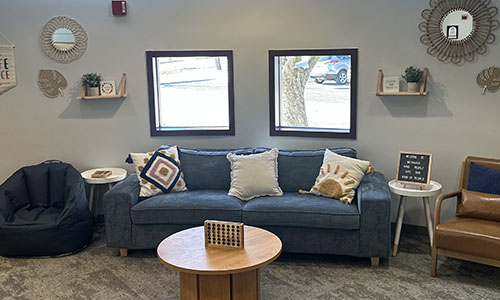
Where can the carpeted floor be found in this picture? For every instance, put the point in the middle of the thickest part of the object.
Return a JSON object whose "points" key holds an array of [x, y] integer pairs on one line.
{"points": [[99, 273]]}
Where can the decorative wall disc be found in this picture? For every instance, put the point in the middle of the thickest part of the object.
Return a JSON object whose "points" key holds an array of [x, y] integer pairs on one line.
{"points": [[58, 44], [51, 83], [455, 30]]}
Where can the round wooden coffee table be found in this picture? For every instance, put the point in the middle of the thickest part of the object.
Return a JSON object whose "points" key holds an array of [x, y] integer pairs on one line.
{"points": [[217, 273]]}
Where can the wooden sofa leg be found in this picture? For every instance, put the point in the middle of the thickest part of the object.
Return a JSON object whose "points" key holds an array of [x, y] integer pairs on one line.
{"points": [[433, 262], [375, 261], [123, 252]]}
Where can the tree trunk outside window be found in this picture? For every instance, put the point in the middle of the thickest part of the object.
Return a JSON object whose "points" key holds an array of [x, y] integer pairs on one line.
{"points": [[292, 88]]}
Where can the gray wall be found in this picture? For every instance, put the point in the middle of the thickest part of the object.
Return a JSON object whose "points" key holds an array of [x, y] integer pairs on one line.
{"points": [[454, 121]]}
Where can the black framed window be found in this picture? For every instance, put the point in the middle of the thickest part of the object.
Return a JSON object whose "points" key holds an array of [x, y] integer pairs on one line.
{"points": [[191, 92], [313, 93]]}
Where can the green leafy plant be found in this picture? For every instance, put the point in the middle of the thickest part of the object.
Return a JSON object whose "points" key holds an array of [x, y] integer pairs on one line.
{"points": [[412, 74], [91, 80]]}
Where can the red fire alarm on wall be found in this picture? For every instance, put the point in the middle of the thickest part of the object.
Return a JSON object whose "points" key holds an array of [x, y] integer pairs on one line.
{"points": [[119, 8]]}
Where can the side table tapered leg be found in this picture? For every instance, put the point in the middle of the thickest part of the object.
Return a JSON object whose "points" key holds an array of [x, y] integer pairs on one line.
{"points": [[91, 199], [430, 228], [401, 214]]}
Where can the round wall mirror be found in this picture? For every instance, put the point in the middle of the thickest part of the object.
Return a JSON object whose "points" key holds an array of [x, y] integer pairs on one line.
{"points": [[456, 30], [63, 39], [457, 25]]}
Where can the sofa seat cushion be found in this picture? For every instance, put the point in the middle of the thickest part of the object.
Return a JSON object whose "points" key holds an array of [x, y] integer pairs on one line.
{"points": [[190, 207], [471, 236], [297, 210]]}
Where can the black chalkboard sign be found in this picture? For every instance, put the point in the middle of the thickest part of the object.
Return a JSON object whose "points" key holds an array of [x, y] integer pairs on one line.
{"points": [[414, 168]]}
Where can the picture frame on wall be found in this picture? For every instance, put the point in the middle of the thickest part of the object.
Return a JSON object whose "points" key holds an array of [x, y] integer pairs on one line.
{"points": [[107, 88], [391, 84]]}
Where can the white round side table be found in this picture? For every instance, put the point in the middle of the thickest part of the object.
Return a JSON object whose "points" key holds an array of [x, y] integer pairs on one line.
{"points": [[405, 191], [117, 174]]}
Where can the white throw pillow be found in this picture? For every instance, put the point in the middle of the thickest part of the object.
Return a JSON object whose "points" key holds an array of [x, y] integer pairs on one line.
{"points": [[254, 175], [339, 176], [159, 172]]}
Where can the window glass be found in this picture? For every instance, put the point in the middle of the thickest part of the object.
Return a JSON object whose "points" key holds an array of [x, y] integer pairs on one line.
{"points": [[313, 92], [191, 92]]}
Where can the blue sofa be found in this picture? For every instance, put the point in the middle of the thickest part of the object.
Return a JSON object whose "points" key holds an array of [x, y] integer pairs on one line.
{"points": [[304, 223]]}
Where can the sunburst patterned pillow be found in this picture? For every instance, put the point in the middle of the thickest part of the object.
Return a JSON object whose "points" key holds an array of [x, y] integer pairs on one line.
{"points": [[159, 172], [339, 176]]}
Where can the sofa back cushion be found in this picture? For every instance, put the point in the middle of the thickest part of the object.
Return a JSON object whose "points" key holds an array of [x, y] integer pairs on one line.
{"points": [[297, 169], [208, 169], [479, 206]]}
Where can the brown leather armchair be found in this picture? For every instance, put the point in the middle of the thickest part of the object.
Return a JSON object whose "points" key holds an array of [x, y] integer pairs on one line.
{"points": [[474, 233]]}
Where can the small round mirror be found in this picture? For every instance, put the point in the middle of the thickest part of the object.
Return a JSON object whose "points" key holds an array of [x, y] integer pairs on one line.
{"points": [[457, 25], [63, 39]]}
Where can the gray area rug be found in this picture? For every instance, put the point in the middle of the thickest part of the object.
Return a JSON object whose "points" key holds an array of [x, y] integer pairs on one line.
{"points": [[99, 273]]}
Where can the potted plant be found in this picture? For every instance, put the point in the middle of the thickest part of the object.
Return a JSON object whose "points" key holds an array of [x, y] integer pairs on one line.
{"points": [[413, 76], [91, 82]]}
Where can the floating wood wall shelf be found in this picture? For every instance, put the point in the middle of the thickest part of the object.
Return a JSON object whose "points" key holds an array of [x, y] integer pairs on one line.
{"points": [[380, 87], [122, 94]]}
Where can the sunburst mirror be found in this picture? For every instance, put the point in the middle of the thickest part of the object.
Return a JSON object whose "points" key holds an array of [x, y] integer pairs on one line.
{"points": [[455, 30], [63, 39]]}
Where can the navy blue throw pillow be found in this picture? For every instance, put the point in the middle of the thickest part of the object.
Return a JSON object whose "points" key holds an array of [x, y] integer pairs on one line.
{"points": [[483, 179]]}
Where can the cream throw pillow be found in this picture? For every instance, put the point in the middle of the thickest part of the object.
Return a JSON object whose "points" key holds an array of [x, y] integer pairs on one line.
{"points": [[254, 175], [158, 179], [339, 176]]}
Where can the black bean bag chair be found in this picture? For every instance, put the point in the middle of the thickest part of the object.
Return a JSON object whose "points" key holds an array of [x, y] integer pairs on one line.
{"points": [[44, 211]]}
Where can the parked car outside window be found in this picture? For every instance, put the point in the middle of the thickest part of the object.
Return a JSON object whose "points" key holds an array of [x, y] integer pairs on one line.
{"points": [[335, 68]]}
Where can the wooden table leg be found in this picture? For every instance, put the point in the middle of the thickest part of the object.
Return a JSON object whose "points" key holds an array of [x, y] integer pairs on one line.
{"points": [[246, 285], [188, 286], [430, 228], [399, 224], [214, 287], [239, 286]]}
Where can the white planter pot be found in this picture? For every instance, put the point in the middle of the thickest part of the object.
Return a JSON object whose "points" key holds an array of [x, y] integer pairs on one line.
{"points": [[413, 87], [92, 91]]}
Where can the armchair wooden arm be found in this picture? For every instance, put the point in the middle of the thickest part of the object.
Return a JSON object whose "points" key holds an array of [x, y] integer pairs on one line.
{"points": [[440, 199], [437, 220]]}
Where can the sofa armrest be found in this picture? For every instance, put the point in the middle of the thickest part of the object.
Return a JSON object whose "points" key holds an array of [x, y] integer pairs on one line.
{"points": [[374, 204], [117, 204]]}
